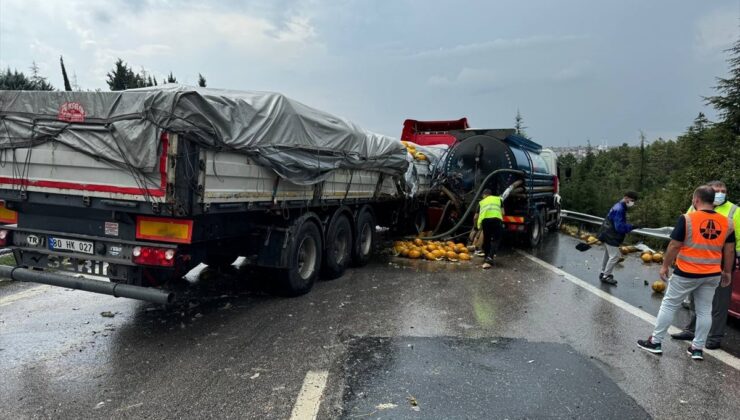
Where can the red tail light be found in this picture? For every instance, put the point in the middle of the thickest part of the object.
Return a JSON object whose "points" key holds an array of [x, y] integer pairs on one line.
{"points": [[147, 255], [4, 237]]}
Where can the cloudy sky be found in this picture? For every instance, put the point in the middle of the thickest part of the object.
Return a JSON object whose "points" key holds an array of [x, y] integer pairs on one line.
{"points": [[577, 70]]}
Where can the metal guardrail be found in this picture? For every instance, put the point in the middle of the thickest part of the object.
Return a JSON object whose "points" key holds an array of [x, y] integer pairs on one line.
{"points": [[663, 233]]}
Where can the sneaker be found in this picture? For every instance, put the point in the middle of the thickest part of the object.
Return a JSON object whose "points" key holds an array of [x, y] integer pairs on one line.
{"points": [[601, 276], [609, 279], [480, 254], [686, 303], [695, 354], [486, 266], [648, 345], [683, 335]]}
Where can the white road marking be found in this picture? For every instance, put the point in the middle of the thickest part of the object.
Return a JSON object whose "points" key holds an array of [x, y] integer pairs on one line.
{"points": [[309, 399], [720, 355], [7, 300]]}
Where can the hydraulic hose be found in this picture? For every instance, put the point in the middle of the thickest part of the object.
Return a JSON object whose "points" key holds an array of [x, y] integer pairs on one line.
{"points": [[473, 203]]}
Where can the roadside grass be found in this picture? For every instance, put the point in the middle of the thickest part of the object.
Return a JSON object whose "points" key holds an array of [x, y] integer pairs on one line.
{"points": [[8, 259]]}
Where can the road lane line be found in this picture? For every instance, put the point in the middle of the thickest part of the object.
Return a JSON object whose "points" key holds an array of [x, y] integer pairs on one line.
{"points": [[720, 355], [309, 399], [7, 300]]}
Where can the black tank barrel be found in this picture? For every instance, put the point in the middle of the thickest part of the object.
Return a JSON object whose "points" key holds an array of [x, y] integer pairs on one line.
{"points": [[80, 283]]}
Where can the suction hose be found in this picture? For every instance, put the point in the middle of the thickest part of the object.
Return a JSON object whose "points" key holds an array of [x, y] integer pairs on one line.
{"points": [[473, 203]]}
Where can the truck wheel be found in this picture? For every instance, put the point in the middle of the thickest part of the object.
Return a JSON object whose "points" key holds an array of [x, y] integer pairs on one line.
{"points": [[365, 238], [338, 252], [536, 229], [304, 261]]}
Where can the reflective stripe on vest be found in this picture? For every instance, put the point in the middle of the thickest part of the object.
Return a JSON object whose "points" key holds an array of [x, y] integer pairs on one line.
{"points": [[701, 252]]}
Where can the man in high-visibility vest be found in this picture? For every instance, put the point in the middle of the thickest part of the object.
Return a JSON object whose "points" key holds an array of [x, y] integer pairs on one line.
{"points": [[723, 295], [702, 246], [491, 221]]}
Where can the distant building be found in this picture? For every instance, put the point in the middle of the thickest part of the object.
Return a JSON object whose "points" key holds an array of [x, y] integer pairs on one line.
{"points": [[579, 151]]}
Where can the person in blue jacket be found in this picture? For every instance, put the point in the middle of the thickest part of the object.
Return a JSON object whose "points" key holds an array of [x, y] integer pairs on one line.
{"points": [[612, 233]]}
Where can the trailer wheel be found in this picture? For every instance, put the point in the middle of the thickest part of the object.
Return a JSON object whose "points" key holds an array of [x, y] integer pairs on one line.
{"points": [[365, 238], [536, 229], [304, 261], [338, 252]]}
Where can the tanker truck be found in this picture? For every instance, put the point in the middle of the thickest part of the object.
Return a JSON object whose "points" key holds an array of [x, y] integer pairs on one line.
{"points": [[140, 186], [488, 158]]}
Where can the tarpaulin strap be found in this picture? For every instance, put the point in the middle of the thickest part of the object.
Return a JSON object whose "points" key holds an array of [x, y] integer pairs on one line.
{"points": [[379, 185], [349, 184], [275, 189]]}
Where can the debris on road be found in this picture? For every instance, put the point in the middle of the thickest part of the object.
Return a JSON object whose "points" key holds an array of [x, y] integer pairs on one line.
{"points": [[385, 406], [107, 314]]}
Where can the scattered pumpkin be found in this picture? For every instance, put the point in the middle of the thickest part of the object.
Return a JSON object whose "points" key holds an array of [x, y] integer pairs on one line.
{"points": [[647, 257], [658, 257], [659, 286], [414, 254]]}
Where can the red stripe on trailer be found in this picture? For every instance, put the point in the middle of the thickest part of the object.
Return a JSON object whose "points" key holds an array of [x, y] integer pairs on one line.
{"points": [[154, 192]]}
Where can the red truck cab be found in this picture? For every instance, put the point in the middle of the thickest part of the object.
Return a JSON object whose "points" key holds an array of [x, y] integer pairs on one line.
{"points": [[427, 133]]}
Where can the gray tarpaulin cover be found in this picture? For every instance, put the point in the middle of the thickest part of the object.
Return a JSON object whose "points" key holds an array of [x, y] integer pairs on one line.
{"points": [[298, 142]]}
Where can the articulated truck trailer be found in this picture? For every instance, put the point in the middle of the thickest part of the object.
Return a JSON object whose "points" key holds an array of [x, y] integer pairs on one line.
{"points": [[141, 186]]}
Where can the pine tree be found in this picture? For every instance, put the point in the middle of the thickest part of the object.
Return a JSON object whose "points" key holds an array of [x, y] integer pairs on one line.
{"points": [[122, 77], [171, 78], [38, 82], [201, 80], [519, 124], [67, 85], [727, 102]]}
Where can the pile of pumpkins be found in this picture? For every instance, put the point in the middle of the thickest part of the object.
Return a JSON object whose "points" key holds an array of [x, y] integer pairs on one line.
{"points": [[646, 256], [411, 148], [432, 250]]}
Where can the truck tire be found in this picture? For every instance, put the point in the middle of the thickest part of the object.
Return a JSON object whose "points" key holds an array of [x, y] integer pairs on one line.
{"points": [[339, 246], [365, 242], [304, 261], [536, 230]]}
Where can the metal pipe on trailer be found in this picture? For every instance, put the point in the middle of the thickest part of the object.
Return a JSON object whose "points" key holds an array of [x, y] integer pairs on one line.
{"points": [[80, 283]]}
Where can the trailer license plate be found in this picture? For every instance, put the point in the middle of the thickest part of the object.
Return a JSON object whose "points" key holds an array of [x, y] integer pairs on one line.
{"points": [[64, 244]]}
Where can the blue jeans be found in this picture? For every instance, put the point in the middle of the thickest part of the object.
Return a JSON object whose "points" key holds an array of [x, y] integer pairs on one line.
{"points": [[678, 288]]}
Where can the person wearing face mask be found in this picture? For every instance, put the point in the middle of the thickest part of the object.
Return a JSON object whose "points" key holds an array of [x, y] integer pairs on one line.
{"points": [[722, 296], [612, 233]]}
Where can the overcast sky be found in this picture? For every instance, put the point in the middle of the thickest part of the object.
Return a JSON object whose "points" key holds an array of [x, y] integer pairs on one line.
{"points": [[576, 69]]}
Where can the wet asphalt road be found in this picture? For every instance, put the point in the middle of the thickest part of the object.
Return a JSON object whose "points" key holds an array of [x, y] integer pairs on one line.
{"points": [[396, 339]]}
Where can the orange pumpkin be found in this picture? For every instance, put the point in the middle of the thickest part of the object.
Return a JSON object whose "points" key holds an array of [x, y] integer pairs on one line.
{"points": [[414, 254], [464, 257]]}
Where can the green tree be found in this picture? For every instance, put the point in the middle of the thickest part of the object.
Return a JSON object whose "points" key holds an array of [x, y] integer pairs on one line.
{"points": [[171, 78], [122, 77], [727, 100], [201, 80], [39, 82], [15, 80], [67, 85], [519, 124]]}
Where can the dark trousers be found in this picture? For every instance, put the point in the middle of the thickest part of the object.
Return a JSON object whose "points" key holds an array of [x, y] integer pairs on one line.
{"points": [[720, 308], [493, 231]]}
